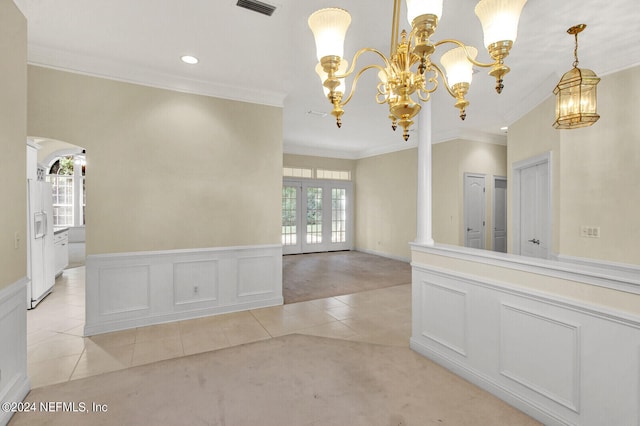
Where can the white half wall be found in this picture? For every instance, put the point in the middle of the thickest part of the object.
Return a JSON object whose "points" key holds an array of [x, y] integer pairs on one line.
{"points": [[564, 361], [131, 290], [14, 384]]}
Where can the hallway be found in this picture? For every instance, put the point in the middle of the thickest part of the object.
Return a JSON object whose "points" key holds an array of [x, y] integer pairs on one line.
{"points": [[57, 352]]}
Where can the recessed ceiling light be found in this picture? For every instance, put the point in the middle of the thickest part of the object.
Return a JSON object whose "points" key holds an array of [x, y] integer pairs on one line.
{"points": [[187, 59]]}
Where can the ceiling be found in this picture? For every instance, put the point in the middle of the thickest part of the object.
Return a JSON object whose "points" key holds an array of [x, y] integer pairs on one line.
{"points": [[250, 57]]}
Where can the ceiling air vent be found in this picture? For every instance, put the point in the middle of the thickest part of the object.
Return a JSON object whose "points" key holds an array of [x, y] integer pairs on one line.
{"points": [[257, 6]]}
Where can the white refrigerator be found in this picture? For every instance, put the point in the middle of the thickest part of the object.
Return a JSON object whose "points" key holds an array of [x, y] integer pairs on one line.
{"points": [[41, 262]]}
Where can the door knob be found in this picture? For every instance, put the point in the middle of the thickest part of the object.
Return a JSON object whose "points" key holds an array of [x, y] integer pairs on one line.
{"points": [[534, 241], [469, 229]]}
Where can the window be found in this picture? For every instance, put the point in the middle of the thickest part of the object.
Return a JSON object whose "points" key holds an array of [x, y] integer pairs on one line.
{"points": [[289, 215], [308, 173], [314, 215], [66, 175], [333, 174], [338, 215], [297, 172]]}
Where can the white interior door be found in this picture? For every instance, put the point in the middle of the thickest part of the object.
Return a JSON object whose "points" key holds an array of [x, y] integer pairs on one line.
{"points": [[533, 210], [316, 216], [474, 208], [500, 214]]}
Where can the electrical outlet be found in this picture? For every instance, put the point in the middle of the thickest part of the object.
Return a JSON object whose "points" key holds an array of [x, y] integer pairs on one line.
{"points": [[195, 289], [590, 231]]}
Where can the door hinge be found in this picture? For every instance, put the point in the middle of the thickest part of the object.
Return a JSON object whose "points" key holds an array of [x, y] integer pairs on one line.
{"points": [[483, 223]]}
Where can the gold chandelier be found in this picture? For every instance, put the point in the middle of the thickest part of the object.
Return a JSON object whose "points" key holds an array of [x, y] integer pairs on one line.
{"points": [[409, 70], [576, 104]]}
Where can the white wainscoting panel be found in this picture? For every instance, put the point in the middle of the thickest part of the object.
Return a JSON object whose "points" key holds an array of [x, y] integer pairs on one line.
{"points": [[195, 281], [252, 272], [445, 316], [14, 384], [130, 290], [124, 289], [560, 360], [541, 353]]}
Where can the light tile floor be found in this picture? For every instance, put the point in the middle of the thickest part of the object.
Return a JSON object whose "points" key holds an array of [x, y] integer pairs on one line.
{"points": [[58, 352]]}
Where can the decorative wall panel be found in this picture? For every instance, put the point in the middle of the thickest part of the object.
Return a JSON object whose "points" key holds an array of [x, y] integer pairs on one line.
{"points": [[445, 316], [137, 289]]}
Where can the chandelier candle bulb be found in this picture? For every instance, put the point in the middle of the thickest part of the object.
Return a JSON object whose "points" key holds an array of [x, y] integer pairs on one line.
{"points": [[416, 8], [408, 72], [459, 74], [329, 28], [499, 19]]}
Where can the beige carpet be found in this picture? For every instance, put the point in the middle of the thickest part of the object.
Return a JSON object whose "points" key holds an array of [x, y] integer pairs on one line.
{"points": [[319, 275], [290, 380]]}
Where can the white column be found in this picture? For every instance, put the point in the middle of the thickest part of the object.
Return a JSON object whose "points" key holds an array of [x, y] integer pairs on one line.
{"points": [[424, 213]]}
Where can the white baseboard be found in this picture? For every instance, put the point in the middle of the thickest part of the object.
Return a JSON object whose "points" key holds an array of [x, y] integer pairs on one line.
{"points": [[387, 255], [14, 383], [128, 290], [484, 382]]}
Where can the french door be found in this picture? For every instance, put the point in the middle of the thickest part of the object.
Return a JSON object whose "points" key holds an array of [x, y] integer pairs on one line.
{"points": [[316, 216]]}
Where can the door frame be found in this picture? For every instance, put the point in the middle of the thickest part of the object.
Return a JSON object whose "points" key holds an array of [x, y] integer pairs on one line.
{"points": [[517, 168], [493, 211], [326, 245]]}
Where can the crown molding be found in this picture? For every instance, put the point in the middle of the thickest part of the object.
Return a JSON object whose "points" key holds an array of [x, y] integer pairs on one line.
{"points": [[113, 70], [440, 137], [469, 135]]}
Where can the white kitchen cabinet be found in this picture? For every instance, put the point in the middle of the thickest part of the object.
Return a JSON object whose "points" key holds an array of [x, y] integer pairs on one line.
{"points": [[61, 250]]}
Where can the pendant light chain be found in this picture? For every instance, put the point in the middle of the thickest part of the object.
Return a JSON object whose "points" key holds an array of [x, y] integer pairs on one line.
{"points": [[575, 52]]}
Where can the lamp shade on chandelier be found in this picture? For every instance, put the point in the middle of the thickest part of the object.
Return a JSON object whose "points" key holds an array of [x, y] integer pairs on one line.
{"points": [[408, 72]]}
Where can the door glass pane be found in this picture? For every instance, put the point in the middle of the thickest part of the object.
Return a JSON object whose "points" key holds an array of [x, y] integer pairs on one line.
{"points": [[314, 215], [289, 233], [338, 215]]}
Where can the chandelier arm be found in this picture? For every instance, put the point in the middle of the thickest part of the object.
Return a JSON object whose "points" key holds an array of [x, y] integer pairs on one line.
{"points": [[355, 81], [466, 52], [444, 80], [355, 60]]}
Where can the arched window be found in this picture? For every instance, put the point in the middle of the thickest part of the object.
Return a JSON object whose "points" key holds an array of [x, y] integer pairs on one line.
{"points": [[66, 175]]}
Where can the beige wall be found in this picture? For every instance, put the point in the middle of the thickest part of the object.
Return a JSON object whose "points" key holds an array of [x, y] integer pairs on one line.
{"points": [[386, 188], [451, 160], [13, 139], [595, 171], [165, 170]]}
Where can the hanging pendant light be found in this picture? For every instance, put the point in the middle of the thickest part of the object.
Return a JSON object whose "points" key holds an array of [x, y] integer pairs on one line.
{"points": [[576, 104]]}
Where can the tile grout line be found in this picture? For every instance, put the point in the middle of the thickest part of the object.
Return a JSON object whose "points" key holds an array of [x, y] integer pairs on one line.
{"points": [[260, 322], [84, 349]]}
